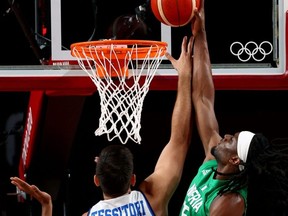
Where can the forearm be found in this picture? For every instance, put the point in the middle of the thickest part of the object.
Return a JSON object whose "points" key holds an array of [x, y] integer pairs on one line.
{"points": [[204, 92], [181, 117], [172, 158], [47, 209], [203, 85]]}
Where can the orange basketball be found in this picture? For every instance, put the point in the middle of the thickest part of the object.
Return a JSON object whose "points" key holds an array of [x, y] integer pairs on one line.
{"points": [[174, 13]]}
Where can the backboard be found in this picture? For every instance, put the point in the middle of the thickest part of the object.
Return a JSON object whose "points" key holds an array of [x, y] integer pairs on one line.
{"points": [[41, 81], [243, 41]]}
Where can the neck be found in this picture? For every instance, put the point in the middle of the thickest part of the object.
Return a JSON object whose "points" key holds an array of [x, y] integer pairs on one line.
{"points": [[106, 196], [224, 175]]}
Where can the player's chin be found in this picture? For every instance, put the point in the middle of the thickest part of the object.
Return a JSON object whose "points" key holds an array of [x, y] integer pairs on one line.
{"points": [[213, 151]]}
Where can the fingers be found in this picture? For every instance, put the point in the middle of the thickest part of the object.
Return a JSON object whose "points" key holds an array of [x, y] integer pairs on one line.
{"points": [[33, 190], [197, 14], [184, 44], [169, 57], [198, 22], [190, 45], [187, 45], [22, 185], [183, 63]]}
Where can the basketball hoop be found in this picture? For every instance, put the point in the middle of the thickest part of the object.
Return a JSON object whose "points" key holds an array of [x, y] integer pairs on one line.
{"points": [[122, 71]]}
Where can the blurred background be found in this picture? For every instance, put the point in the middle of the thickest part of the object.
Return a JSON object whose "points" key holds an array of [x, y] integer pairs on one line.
{"points": [[61, 156]]}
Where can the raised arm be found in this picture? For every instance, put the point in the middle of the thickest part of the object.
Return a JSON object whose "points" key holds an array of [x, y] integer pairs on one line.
{"points": [[162, 183], [42, 197], [203, 87]]}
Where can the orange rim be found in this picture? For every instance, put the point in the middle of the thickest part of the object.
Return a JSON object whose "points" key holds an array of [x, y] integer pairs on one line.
{"points": [[121, 48]]}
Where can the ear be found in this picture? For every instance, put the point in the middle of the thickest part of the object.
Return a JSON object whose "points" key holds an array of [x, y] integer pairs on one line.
{"points": [[96, 181], [133, 180], [235, 160]]}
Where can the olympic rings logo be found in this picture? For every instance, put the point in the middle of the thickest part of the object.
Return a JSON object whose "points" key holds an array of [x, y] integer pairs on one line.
{"points": [[251, 50]]}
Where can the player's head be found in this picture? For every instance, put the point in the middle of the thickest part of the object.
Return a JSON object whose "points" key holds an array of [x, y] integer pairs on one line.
{"points": [[114, 170], [263, 166], [240, 149]]}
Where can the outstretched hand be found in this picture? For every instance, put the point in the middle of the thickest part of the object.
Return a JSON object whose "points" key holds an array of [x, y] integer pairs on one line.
{"points": [[42, 197], [198, 21], [184, 63]]}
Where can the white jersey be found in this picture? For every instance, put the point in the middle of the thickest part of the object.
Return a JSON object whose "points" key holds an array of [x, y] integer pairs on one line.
{"points": [[132, 204]]}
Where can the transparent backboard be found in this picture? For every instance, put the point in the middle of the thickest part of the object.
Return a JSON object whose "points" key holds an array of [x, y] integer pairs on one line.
{"points": [[243, 39]]}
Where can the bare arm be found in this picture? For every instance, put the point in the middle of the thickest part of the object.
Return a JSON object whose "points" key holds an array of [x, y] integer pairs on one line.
{"points": [[43, 198], [162, 183], [203, 87], [207, 124], [228, 204]]}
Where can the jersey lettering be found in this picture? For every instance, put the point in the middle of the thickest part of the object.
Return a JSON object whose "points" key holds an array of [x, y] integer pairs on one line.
{"points": [[131, 209], [194, 198]]}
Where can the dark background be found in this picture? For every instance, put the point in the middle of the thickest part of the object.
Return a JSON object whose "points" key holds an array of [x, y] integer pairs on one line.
{"points": [[24, 41], [258, 111]]}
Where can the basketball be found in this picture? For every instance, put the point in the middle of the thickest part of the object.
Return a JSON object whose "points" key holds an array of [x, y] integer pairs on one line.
{"points": [[174, 13]]}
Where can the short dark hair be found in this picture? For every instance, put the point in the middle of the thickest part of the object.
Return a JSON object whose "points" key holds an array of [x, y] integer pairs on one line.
{"points": [[114, 169]]}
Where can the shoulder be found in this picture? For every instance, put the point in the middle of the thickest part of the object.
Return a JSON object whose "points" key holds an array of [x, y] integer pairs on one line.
{"points": [[209, 164], [228, 204]]}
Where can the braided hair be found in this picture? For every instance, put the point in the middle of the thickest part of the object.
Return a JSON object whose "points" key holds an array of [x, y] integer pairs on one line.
{"points": [[265, 174], [267, 171]]}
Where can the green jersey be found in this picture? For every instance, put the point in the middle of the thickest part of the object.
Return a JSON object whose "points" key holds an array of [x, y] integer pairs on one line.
{"points": [[203, 190]]}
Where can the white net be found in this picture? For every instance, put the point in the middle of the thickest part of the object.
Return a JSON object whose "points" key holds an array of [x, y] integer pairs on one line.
{"points": [[122, 76]]}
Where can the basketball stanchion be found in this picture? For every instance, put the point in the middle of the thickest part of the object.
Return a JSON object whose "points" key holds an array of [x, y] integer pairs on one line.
{"points": [[122, 71]]}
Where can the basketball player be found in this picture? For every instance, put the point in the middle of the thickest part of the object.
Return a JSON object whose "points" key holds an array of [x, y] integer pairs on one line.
{"points": [[114, 167], [233, 163], [42, 197]]}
